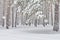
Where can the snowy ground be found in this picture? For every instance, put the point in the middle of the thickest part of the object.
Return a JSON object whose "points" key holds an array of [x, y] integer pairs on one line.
{"points": [[29, 33]]}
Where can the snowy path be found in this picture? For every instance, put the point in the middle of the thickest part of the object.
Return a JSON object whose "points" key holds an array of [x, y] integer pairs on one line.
{"points": [[29, 34]]}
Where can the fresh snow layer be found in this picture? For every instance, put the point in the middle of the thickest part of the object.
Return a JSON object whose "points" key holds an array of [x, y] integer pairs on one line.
{"points": [[29, 33]]}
